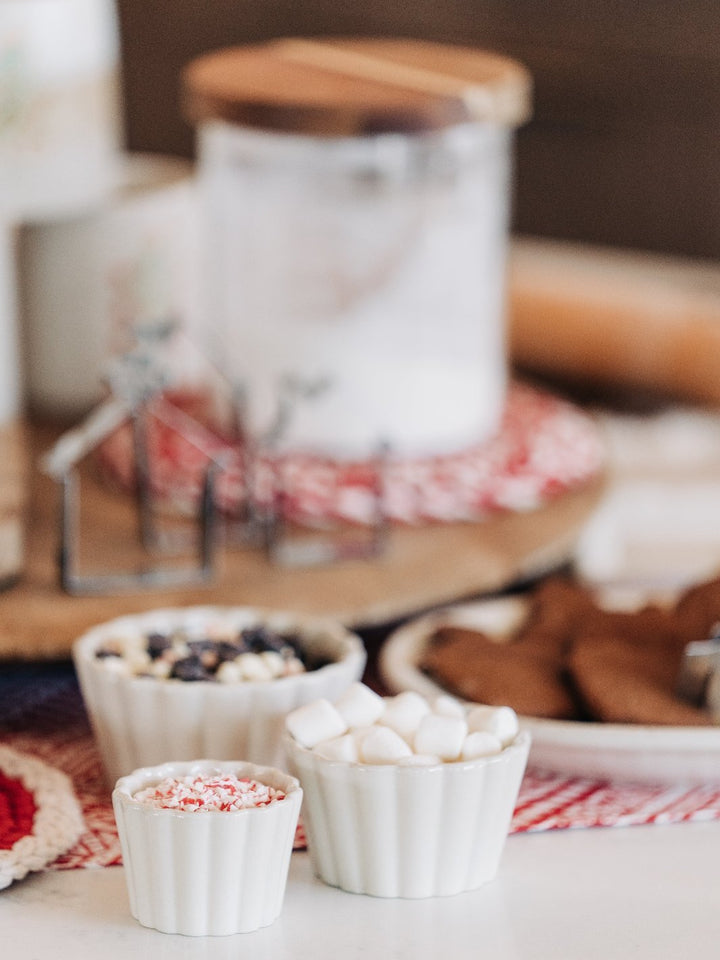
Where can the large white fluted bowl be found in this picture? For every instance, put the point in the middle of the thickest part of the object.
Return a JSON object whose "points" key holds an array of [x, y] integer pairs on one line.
{"points": [[408, 831], [143, 721]]}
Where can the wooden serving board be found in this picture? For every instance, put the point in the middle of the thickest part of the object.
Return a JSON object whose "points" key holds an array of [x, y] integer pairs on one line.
{"points": [[422, 567]]}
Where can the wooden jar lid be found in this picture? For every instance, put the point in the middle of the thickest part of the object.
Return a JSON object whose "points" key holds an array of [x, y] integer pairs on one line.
{"points": [[354, 87]]}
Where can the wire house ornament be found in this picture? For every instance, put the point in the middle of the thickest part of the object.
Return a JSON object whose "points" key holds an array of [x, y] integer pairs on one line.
{"points": [[62, 463], [137, 391]]}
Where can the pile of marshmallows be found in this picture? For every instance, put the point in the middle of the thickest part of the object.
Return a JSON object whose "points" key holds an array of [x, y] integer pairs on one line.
{"points": [[362, 727]]}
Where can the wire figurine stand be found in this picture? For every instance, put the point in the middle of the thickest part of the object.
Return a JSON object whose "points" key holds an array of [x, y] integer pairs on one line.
{"points": [[136, 386], [131, 402]]}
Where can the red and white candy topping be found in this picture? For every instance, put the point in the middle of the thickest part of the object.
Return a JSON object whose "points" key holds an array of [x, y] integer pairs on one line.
{"points": [[223, 793]]}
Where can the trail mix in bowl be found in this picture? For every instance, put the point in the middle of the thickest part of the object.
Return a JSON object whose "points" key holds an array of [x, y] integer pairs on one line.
{"points": [[254, 652]]}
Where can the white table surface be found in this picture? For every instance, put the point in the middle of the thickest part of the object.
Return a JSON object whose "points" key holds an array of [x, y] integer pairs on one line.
{"points": [[632, 893]]}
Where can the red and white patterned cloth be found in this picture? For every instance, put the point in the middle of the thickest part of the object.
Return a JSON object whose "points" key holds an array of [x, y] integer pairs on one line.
{"points": [[546, 801], [544, 447]]}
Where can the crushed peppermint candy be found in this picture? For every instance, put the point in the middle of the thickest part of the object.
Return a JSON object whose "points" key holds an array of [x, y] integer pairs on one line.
{"points": [[223, 793]]}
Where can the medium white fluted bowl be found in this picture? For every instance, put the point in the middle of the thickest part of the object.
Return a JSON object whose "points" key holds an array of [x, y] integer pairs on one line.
{"points": [[143, 721], [206, 873], [408, 831]]}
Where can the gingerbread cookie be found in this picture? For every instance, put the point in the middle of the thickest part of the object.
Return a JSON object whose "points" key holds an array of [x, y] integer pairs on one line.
{"points": [[570, 658], [698, 611], [625, 681], [527, 672], [557, 607]]}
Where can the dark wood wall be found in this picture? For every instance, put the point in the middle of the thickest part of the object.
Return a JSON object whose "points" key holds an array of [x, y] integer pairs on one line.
{"points": [[624, 146]]}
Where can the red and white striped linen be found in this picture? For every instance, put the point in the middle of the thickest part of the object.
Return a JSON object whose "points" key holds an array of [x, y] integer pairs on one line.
{"points": [[546, 802]]}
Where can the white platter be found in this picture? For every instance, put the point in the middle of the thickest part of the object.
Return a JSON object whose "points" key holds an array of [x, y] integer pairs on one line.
{"points": [[644, 754]]}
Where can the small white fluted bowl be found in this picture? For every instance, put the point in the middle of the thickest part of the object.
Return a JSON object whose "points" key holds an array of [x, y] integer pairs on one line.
{"points": [[408, 831], [143, 721], [206, 873]]}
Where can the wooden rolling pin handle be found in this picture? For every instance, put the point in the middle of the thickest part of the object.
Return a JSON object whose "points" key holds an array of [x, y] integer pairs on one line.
{"points": [[617, 318]]}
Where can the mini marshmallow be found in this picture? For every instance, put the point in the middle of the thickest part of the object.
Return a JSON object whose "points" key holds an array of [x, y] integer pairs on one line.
{"points": [[228, 672], [404, 712], [129, 643], [342, 748], [448, 706], [360, 706], [180, 648], [252, 667], [274, 662], [441, 735], [160, 668], [138, 661], [383, 745], [359, 733], [480, 744], [293, 667], [314, 722], [117, 665], [500, 721]]}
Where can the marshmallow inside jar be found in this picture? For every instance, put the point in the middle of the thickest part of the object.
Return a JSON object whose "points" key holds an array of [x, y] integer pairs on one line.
{"points": [[404, 797]]}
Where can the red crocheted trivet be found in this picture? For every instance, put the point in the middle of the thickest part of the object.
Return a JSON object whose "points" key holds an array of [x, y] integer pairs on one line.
{"points": [[17, 811]]}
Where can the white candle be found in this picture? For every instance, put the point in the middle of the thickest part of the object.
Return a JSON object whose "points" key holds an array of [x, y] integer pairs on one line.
{"points": [[89, 284], [12, 451], [60, 110], [10, 390]]}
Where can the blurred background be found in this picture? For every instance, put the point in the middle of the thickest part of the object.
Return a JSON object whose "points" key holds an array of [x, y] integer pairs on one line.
{"points": [[622, 147], [614, 288]]}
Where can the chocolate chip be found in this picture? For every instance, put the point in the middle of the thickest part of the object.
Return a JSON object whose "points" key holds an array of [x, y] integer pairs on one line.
{"points": [[228, 651], [157, 644], [190, 668], [294, 643], [210, 660], [315, 663], [260, 639], [201, 646], [102, 653]]}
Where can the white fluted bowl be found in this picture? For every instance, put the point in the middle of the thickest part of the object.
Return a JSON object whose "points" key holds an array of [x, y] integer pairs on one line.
{"points": [[408, 831], [143, 721], [206, 873]]}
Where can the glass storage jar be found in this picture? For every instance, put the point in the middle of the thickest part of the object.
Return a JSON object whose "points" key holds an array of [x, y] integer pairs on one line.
{"points": [[356, 199]]}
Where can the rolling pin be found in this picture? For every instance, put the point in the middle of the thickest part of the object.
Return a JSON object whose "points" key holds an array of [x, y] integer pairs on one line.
{"points": [[616, 318]]}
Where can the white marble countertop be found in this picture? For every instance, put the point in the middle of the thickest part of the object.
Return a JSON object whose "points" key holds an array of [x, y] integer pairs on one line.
{"points": [[646, 893]]}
